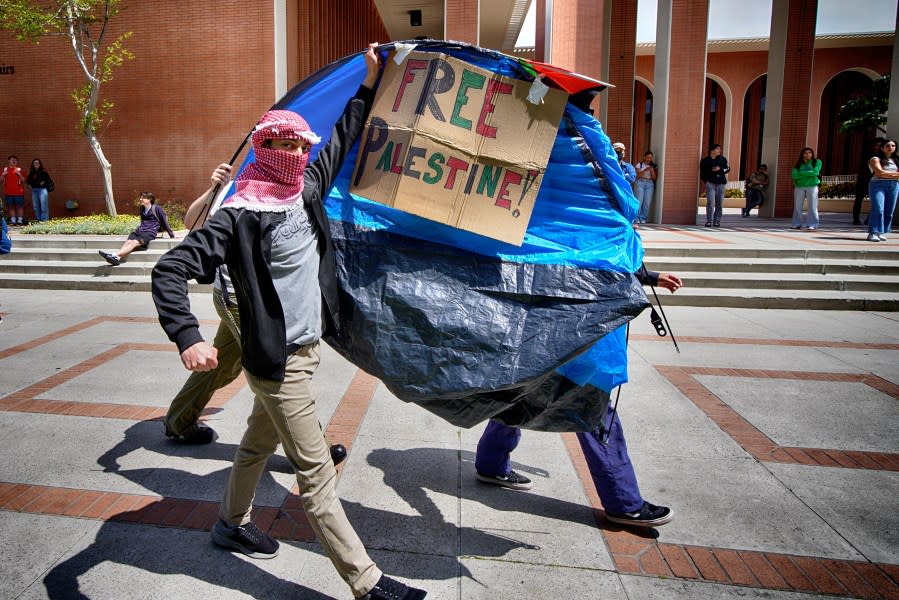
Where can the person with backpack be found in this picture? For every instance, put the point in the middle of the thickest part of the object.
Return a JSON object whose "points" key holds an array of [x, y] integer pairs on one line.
{"points": [[152, 220]]}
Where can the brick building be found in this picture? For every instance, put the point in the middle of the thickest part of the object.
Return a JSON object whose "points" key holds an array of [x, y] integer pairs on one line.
{"points": [[205, 71]]}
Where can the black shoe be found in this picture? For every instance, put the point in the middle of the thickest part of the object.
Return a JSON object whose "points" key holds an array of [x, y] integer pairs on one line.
{"points": [[198, 435], [391, 589], [513, 481], [111, 258], [745, 213], [856, 222], [649, 515], [338, 453], [248, 539], [716, 224], [708, 224]]}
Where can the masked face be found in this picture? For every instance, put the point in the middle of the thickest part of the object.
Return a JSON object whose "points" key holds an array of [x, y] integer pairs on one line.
{"points": [[281, 143]]}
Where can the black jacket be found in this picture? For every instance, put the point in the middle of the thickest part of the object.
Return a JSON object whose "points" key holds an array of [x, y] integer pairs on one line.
{"points": [[709, 176], [242, 239]]}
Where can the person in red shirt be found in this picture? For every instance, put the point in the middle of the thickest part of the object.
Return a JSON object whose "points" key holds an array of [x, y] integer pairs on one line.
{"points": [[14, 190]]}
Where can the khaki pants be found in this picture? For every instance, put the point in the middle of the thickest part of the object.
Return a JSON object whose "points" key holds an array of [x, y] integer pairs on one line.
{"points": [[197, 391], [285, 412]]}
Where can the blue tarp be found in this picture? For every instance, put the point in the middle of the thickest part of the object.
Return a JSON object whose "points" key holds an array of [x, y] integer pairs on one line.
{"points": [[474, 328]]}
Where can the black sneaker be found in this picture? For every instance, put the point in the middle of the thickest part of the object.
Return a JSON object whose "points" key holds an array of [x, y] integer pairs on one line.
{"points": [[338, 453], [391, 589], [248, 539], [111, 258], [197, 435], [513, 481], [708, 224], [649, 515]]}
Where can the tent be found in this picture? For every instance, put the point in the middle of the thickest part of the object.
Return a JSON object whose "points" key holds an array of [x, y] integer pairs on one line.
{"points": [[470, 327]]}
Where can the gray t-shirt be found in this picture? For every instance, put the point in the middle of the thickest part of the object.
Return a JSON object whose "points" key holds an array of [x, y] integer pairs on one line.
{"points": [[887, 165], [294, 267]]}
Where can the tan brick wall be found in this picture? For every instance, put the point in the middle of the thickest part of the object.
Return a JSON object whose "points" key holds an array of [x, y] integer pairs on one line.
{"points": [[685, 107], [795, 103], [203, 73], [577, 36], [738, 70], [329, 30], [622, 59], [462, 20]]}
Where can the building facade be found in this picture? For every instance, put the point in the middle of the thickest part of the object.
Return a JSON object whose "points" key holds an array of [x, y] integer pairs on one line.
{"points": [[203, 73]]}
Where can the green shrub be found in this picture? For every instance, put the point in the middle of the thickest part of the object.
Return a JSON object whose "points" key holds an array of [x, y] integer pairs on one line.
{"points": [[94, 225]]}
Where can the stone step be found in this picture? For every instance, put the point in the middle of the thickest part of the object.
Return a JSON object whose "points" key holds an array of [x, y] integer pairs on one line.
{"points": [[81, 256], [782, 299], [95, 268], [120, 283], [160, 245], [773, 265], [791, 281], [875, 254], [692, 279], [95, 242], [693, 295], [738, 277], [748, 264]]}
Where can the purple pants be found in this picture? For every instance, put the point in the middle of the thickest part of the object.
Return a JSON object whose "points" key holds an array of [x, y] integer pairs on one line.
{"points": [[610, 465]]}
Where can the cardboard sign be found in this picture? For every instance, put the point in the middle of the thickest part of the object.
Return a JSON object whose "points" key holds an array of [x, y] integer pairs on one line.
{"points": [[454, 143]]}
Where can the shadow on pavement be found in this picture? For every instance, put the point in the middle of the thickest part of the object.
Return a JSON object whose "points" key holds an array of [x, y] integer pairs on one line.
{"points": [[169, 551]]}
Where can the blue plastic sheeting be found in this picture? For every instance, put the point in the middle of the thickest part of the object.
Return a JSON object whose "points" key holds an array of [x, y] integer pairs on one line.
{"points": [[580, 235]]}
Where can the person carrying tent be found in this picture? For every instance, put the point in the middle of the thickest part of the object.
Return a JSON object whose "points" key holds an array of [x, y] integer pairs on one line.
{"points": [[274, 237]]}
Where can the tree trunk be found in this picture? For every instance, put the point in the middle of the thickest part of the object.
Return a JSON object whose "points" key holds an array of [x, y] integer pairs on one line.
{"points": [[107, 173]]}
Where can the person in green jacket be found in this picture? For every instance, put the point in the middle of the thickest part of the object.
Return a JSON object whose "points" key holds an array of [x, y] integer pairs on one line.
{"points": [[806, 177]]}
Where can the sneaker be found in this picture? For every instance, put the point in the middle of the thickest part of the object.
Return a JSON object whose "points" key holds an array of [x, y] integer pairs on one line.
{"points": [[111, 258], [338, 453], [248, 539], [197, 435], [796, 227], [391, 589], [856, 222], [513, 481], [649, 515], [882, 236], [812, 228], [708, 224], [873, 237], [716, 224]]}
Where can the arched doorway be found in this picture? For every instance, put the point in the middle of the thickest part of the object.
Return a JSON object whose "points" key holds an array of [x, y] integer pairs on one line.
{"points": [[753, 126], [642, 120], [715, 114], [841, 153]]}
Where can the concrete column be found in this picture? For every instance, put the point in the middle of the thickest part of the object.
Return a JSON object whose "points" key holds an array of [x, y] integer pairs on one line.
{"points": [[678, 99], [279, 42], [617, 104], [790, 61], [893, 117], [462, 21]]}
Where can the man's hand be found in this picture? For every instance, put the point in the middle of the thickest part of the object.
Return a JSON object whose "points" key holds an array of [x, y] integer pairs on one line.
{"points": [[372, 62], [201, 357], [670, 282], [221, 175]]}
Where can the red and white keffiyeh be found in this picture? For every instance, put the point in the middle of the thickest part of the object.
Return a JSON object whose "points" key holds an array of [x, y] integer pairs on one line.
{"points": [[274, 183]]}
